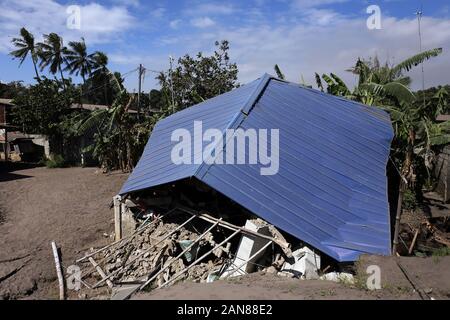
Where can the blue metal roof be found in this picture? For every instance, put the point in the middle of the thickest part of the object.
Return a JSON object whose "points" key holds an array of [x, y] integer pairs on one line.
{"points": [[331, 187]]}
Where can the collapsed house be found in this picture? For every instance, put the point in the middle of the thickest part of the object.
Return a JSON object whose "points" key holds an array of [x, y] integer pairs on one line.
{"points": [[326, 199]]}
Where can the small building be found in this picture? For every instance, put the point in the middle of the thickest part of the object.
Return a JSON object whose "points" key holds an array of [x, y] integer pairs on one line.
{"points": [[5, 106], [33, 147], [329, 188], [442, 167]]}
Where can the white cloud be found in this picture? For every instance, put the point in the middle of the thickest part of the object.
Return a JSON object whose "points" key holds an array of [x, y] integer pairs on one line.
{"points": [[128, 3], [99, 24], [203, 22], [174, 23], [211, 9], [303, 49], [158, 12], [302, 4]]}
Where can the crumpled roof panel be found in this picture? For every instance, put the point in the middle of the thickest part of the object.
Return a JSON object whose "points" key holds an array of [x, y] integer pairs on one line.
{"points": [[155, 166], [331, 187]]}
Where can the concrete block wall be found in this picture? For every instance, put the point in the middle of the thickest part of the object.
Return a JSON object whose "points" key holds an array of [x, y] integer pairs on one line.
{"points": [[442, 173]]}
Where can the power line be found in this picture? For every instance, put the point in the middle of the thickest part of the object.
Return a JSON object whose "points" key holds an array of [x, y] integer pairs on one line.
{"points": [[419, 20]]}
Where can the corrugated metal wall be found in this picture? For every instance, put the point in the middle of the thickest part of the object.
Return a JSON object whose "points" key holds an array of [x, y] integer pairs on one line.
{"points": [[331, 188]]}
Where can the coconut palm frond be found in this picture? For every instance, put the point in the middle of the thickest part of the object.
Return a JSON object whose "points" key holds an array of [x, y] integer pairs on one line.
{"points": [[414, 61]]}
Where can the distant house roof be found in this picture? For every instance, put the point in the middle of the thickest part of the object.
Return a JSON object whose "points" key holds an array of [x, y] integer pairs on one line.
{"points": [[331, 187], [92, 107], [15, 135], [443, 117], [7, 102], [84, 106]]}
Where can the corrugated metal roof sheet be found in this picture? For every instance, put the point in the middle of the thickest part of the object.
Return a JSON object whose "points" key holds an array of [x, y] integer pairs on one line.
{"points": [[331, 188]]}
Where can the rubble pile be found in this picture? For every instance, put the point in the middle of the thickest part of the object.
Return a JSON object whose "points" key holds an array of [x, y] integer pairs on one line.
{"points": [[197, 247], [152, 248], [424, 236]]}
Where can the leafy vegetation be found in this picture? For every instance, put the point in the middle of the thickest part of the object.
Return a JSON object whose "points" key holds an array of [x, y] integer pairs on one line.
{"points": [[386, 86], [118, 135], [56, 161], [198, 78]]}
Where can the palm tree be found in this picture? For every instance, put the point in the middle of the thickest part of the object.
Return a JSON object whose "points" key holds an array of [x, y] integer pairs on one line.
{"points": [[99, 63], [52, 53], [279, 73], [386, 87], [25, 45], [78, 60]]}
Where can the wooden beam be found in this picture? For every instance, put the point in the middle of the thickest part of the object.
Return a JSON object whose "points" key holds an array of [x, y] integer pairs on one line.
{"points": [[172, 260], [117, 217], [145, 251], [175, 277], [101, 272], [128, 238], [62, 291], [284, 245]]}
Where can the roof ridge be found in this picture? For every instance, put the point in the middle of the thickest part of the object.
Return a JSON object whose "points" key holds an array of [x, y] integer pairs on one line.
{"points": [[238, 119]]}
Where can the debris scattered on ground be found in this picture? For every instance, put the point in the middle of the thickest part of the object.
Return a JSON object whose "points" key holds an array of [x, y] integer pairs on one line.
{"points": [[170, 237], [423, 235], [182, 243]]}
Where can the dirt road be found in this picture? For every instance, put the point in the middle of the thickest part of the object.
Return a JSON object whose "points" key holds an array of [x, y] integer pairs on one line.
{"points": [[71, 207], [429, 275], [39, 205]]}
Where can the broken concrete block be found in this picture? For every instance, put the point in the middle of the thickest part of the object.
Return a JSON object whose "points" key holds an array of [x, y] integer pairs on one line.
{"points": [[305, 264], [191, 253], [339, 277], [128, 222], [248, 246]]}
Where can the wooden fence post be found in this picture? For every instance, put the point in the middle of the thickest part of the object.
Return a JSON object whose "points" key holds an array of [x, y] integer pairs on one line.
{"points": [[117, 217]]}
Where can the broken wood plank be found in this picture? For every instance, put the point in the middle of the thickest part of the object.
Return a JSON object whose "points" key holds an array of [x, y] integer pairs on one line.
{"points": [[117, 217], [11, 273], [128, 238], [283, 245], [126, 266], [175, 277], [15, 258], [62, 291], [173, 259], [413, 242], [101, 272]]}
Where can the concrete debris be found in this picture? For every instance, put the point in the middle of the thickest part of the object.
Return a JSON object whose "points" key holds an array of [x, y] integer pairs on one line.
{"points": [[305, 264], [338, 277], [248, 246], [159, 249]]}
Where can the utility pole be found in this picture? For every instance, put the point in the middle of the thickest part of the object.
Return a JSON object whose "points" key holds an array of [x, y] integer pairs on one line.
{"points": [[419, 20], [171, 82], [141, 71]]}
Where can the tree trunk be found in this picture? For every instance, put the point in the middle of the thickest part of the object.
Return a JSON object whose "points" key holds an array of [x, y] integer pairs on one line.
{"points": [[35, 68], [62, 77], [405, 178], [398, 216]]}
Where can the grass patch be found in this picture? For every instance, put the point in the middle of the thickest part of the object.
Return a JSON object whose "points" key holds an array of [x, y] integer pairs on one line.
{"points": [[56, 161], [441, 252]]}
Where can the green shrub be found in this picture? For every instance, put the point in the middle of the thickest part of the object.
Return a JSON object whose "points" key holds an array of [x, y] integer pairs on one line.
{"points": [[441, 252], [409, 200], [57, 161]]}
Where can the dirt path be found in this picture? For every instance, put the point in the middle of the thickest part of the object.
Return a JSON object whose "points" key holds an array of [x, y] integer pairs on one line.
{"points": [[38, 205], [71, 207], [430, 275]]}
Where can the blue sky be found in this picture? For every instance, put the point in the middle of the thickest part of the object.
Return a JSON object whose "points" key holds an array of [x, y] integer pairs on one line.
{"points": [[302, 36]]}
